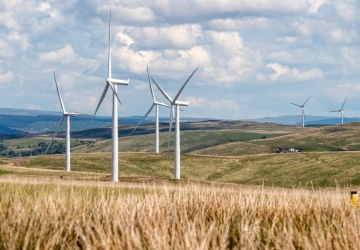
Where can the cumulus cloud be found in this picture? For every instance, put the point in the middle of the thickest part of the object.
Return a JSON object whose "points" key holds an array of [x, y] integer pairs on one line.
{"points": [[347, 10], [6, 77], [20, 39], [174, 37], [64, 55], [129, 14], [5, 50], [238, 46], [283, 73], [7, 5], [44, 7], [214, 108], [315, 5], [8, 20]]}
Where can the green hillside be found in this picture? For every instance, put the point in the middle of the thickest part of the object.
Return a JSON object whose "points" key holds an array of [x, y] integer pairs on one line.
{"points": [[284, 170], [331, 138], [235, 152]]}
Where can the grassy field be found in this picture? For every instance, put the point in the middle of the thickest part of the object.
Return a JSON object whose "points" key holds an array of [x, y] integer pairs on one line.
{"points": [[234, 192], [331, 138], [195, 135], [48, 214], [241, 141], [322, 169], [218, 138]]}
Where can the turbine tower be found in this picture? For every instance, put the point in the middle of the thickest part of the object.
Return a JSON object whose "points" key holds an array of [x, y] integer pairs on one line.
{"points": [[177, 104], [341, 111], [155, 104], [113, 84], [67, 115], [302, 109]]}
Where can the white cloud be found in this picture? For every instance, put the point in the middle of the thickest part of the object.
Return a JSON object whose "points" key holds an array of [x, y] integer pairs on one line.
{"points": [[283, 56], [280, 72], [6, 77], [64, 55], [234, 24], [20, 39], [175, 37], [238, 46], [8, 20], [124, 39], [213, 105], [5, 50], [315, 5], [351, 57], [7, 5], [131, 60], [347, 10], [130, 14], [44, 7]]}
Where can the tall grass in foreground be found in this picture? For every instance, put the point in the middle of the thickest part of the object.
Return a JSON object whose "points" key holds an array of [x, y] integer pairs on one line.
{"points": [[81, 215]]}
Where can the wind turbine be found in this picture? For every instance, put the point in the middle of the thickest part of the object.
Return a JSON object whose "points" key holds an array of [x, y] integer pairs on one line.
{"points": [[177, 104], [341, 111], [303, 112], [155, 104], [67, 115], [113, 84]]}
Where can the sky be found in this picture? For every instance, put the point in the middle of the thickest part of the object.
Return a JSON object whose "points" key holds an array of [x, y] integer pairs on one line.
{"points": [[255, 57]]}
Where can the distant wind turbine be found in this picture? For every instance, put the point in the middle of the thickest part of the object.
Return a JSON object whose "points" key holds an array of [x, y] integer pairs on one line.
{"points": [[67, 115], [341, 110], [177, 104], [302, 109], [113, 84], [155, 104]]}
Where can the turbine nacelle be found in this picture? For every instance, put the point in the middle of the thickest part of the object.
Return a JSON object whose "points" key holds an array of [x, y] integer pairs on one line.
{"points": [[180, 103], [72, 114], [117, 81]]}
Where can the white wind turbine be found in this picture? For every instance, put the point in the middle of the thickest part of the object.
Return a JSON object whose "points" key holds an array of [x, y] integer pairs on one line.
{"points": [[302, 109], [67, 115], [113, 84], [341, 111], [177, 104], [155, 104]]}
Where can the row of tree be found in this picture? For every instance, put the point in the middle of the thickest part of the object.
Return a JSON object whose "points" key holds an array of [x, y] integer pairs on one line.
{"points": [[56, 148]]}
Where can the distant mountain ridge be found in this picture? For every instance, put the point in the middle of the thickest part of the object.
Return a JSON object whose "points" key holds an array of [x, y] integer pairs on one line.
{"points": [[13, 121], [26, 112], [37, 121], [310, 120]]}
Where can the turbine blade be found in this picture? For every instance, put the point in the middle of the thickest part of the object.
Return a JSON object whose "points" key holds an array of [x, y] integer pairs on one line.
{"points": [[170, 127], [113, 89], [306, 101], [343, 104], [152, 106], [336, 111], [162, 91], [151, 89], [57, 88], [109, 56], [296, 105], [101, 99], [183, 86], [56, 131], [163, 104]]}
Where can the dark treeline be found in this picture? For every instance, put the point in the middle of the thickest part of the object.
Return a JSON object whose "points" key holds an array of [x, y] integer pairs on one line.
{"points": [[40, 148]]}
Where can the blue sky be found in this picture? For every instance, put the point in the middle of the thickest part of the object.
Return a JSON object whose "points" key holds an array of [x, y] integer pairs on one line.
{"points": [[255, 57]]}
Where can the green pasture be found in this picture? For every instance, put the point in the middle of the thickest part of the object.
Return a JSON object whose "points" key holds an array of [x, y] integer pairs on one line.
{"points": [[324, 169]]}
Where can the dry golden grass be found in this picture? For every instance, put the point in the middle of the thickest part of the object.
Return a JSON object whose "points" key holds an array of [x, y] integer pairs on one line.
{"points": [[48, 214]]}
